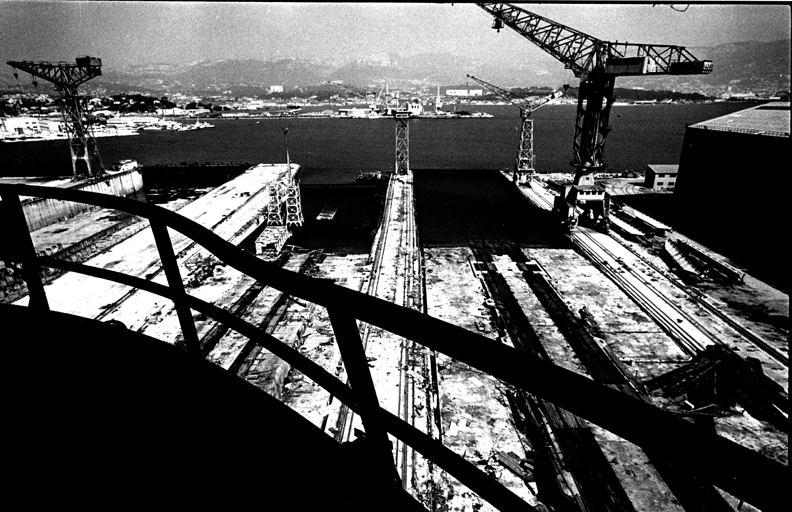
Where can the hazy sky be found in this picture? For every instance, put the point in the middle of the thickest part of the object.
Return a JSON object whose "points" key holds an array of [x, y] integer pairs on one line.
{"points": [[124, 33]]}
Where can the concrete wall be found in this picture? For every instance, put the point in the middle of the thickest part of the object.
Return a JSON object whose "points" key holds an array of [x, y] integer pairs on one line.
{"points": [[41, 212]]}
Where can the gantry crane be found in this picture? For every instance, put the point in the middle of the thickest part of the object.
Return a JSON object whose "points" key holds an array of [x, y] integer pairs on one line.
{"points": [[67, 77], [525, 164], [285, 185], [597, 63]]}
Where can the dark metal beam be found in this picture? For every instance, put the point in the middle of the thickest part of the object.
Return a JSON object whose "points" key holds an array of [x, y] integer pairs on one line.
{"points": [[19, 245]]}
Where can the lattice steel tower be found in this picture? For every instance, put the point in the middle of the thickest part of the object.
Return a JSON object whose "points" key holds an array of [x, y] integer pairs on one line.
{"points": [[274, 216], [286, 185], [294, 215], [67, 77], [402, 117]]}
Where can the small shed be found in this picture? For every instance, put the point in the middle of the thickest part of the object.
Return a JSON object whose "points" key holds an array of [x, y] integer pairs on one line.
{"points": [[661, 177]]}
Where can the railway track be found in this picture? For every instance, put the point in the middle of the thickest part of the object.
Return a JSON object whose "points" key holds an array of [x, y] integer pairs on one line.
{"points": [[704, 303], [670, 316], [407, 291], [690, 334]]}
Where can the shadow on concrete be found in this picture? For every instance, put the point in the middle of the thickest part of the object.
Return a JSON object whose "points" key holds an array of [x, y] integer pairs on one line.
{"points": [[457, 207], [100, 417]]}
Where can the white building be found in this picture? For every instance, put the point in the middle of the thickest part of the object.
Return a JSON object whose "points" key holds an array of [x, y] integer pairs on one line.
{"points": [[464, 92], [171, 112], [22, 128], [275, 88], [131, 122], [355, 112], [20, 125], [661, 177]]}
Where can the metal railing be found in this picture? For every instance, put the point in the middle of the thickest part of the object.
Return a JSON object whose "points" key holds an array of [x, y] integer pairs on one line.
{"points": [[737, 470]]}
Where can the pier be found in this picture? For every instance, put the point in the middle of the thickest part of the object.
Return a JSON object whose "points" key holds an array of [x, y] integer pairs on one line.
{"points": [[234, 210]]}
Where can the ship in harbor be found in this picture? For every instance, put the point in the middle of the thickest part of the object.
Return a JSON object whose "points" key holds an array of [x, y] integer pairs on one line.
{"points": [[372, 178]]}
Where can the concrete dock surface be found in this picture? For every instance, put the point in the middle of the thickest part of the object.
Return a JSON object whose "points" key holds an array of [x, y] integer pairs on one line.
{"points": [[227, 210], [480, 288]]}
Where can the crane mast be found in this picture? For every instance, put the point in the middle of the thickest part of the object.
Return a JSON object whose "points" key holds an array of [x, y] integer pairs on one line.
{"points": [[597, 63], [402, 118], [524, 166], [66, 77]]}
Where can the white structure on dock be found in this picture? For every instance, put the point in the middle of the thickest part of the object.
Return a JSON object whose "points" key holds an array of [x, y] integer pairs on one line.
{"points": [[233, 211], [274, 236], [285, 185], [271, 241]]}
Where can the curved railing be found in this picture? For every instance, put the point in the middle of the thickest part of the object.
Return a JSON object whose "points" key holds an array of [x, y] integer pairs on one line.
{"points": [[737, 470]]}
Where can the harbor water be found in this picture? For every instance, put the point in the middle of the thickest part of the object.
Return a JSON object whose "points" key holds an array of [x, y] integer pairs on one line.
{"points": [[641, 135], [459, 194]]}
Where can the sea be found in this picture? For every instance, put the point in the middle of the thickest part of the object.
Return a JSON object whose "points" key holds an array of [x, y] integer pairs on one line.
{"points": [[335, 150]]}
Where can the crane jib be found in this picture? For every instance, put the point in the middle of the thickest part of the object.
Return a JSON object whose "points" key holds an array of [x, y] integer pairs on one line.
{"points": [[584, 54]]}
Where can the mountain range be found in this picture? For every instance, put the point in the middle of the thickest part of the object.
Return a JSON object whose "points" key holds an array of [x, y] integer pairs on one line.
{"points": [[738, 67]]}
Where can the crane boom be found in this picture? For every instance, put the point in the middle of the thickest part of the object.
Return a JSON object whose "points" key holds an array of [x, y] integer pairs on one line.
{"points": [[348, 89], [372, 106], [545, 100], [503, 93], [584, 54], [62, 74], [522, 104]]}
